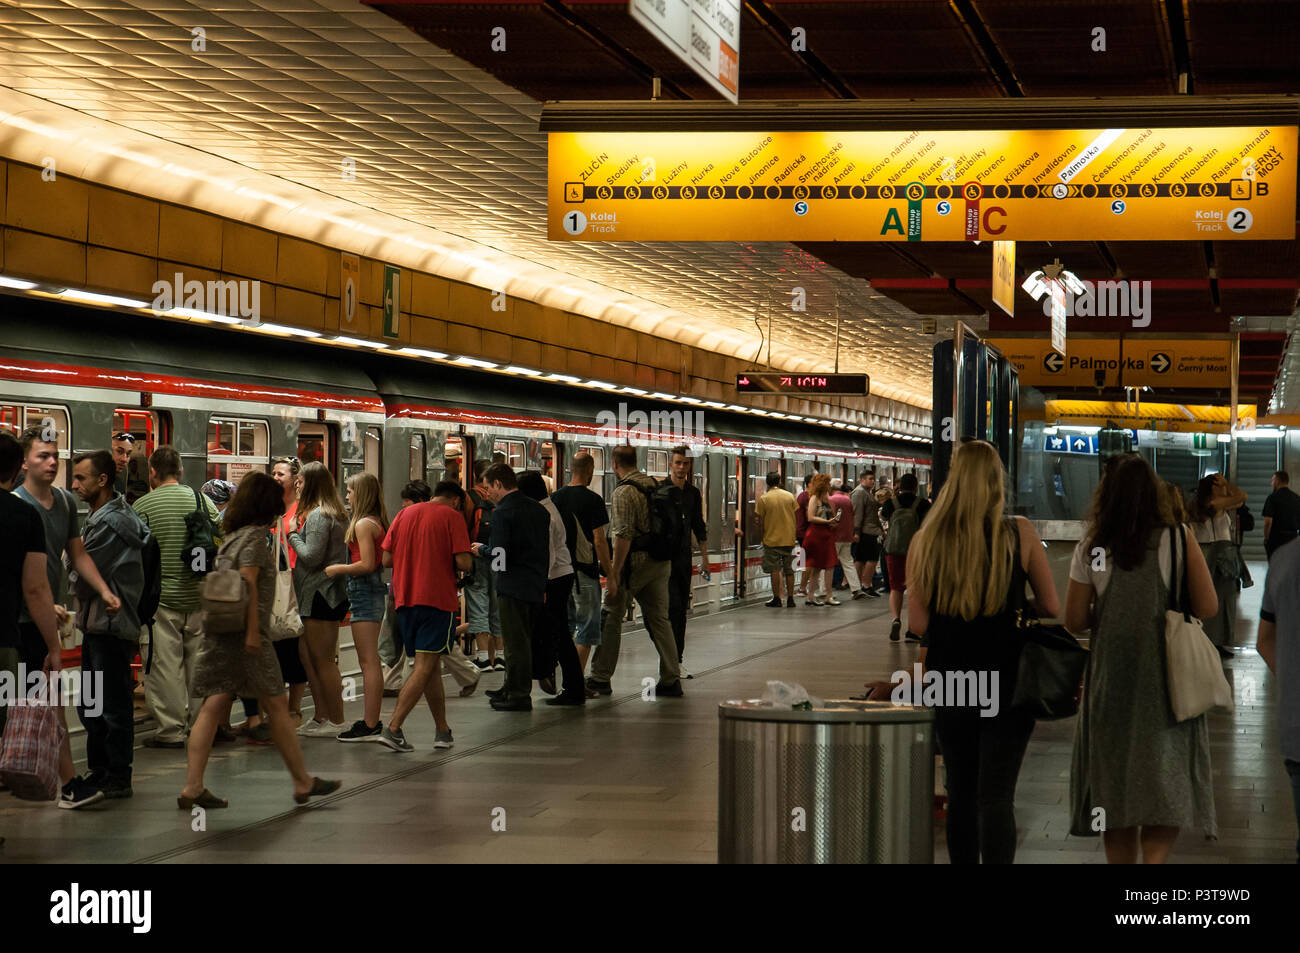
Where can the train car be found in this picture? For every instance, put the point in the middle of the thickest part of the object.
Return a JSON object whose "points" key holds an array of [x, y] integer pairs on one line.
{"points": [[230, 403]]}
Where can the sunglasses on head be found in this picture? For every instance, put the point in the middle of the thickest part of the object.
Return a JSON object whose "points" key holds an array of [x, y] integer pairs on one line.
{"points": [[125, 435]]}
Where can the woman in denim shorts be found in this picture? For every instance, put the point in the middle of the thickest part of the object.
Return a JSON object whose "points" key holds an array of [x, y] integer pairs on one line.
{"points": [[366, 594]]}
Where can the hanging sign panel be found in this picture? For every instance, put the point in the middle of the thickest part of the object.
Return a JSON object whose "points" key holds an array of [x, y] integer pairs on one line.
{"points": [[704, 34], [1039, 364], [1194, 183], [1177, 362]]}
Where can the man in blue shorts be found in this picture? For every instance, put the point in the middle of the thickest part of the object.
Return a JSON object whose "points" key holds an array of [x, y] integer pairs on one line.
{"points": [[426, 546]]}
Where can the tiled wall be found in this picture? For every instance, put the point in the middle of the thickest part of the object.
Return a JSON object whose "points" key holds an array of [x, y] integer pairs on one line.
{"points": [[78, 234]]}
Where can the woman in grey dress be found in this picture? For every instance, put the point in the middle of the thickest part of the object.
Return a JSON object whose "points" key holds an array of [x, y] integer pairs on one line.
{"points": [[1211, 515], [1138, 776], [229, 665]]}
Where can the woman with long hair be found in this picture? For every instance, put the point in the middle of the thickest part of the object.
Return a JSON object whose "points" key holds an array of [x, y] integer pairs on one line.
{"points": [[1211, 519], [1173, 504], [366, 593], [319, 541], [966, 562], [820, 559], [1135, 769], [229, 665]]}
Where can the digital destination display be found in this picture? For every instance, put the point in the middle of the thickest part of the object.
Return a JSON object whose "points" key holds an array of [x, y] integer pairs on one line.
{"points": [[776, 382]]}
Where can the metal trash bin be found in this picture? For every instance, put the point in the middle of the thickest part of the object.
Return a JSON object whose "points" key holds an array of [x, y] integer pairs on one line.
{"points": [[851, 782]]}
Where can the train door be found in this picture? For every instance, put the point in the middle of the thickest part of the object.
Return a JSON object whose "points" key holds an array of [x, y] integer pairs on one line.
{"points": [[551, 458], [150, 428], [457, 462], [318, 443], [737, 519], [598, 481]]}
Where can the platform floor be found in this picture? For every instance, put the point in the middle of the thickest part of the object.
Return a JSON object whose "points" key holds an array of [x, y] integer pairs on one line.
{"points": [[623, 780]]}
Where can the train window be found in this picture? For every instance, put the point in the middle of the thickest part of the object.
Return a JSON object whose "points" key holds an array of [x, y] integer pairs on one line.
{"points": [[513, 451], [316, 445], [150, 428], [656, 463], [729, 505], [372, 452], [16, 418], [598, 466], [236, 446], [416, 469]]}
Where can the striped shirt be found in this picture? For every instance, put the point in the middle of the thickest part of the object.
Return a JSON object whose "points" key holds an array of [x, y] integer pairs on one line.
{"points": [[165, 509]]}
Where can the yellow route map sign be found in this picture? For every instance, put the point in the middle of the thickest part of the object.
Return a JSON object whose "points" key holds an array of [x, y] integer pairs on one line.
{"points": [[1027, 184]]}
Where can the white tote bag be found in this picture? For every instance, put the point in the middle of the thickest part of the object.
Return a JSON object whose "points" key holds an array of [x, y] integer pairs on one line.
{"points": [[285, 621], [1195, 672]]}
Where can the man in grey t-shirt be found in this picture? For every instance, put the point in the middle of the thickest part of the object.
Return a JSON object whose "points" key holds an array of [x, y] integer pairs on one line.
{"points": [[1279, 646]]}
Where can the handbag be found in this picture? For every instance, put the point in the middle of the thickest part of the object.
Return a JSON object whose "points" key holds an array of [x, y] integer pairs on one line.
{"points": [[224, 593], [1052, 662], [1244, 579], [285, 622], [29, 761], [1192, 665]]}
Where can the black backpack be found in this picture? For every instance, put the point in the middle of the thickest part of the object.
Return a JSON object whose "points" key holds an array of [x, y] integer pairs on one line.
{"points": [[199, 536], [660, 541], [151, 594]]}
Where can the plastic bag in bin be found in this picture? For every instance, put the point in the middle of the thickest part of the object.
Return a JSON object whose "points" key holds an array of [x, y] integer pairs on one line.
{"points": [[795, 697]]}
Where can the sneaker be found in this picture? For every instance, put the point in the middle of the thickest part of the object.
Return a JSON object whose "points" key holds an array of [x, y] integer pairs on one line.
{"points": [[499, 665], [832, 601], [321, 729], [789, 603], [261, 735], [395, 739], [360, 731], [681, 670], [773, 603], [600, 688], [115, 790], [669, 691], [443, 739], [911, 636], [78, 793], [894, 628], [860, 594], [483, 665]]}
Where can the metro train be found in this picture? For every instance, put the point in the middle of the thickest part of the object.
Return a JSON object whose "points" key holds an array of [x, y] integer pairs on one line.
{"points": [[230, 401]]}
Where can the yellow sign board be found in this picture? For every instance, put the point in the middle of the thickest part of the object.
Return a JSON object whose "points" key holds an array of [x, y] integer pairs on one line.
{"points": [[1195, 183], [1090, 362], [1004, 276], [1177, 362]]}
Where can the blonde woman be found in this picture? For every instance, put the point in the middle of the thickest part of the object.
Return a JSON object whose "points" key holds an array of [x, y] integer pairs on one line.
{"points": [[366, 594], [318, 539], [965, 562]]}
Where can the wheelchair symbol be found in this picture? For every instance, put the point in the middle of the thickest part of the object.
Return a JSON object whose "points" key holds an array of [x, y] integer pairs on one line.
{"points": [[1118, 206]]}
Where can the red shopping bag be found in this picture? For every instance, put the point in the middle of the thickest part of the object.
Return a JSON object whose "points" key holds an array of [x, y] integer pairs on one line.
{"points": [[29, 751]]}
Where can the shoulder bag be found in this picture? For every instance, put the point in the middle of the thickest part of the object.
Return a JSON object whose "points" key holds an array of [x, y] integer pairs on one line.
{"points": [[1194, 670], [224, 592], [285, 621], [1049, 677]]}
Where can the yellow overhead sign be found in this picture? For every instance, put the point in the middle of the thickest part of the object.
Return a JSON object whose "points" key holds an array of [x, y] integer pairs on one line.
{"points": [[1040, 365], [1093, 362], [941, 185]]}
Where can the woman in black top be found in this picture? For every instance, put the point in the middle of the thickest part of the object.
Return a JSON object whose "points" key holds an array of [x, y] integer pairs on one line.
{"points": [[965, 562]]}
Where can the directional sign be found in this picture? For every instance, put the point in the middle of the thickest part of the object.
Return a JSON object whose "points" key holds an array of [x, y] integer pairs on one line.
{"points": [[392, 301], [1040, 366], [349, 290], [1069, 443], [1160, 362], [1140, 184], [1053, 361], [1177, 362]]}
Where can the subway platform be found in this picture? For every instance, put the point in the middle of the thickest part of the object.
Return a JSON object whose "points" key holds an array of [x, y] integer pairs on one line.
{"points": [[623, 780]]}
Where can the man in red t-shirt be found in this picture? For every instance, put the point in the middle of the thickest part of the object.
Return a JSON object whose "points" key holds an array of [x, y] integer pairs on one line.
{"points": [[426, 546]]}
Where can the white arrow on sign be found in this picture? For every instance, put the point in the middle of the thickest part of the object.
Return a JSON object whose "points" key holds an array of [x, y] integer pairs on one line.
{"points": [[1160, 362], [1053, 362], [1080, 444]]}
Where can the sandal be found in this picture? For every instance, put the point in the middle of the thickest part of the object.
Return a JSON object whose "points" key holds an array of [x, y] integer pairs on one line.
{"points": [[318, 788], [205, 800]]}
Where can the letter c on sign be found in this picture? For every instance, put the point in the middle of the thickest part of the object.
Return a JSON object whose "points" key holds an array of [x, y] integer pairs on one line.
{"points": [[989, 211]]}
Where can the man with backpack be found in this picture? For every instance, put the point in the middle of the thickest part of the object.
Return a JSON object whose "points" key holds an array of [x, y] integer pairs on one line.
{"points": [[184, 522], [643, 522], [903, 515], [116, 538], [590, 554]]}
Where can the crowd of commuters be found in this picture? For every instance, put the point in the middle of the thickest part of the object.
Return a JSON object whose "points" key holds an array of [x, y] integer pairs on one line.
{"points": [[507, 575]]}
